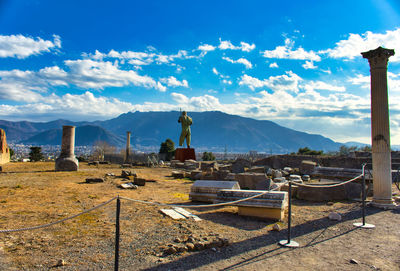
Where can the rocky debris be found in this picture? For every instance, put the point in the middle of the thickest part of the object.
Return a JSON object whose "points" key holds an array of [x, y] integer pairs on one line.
{"points": [[127, 173], [256, 169], [195, 244], [94, 180], [139, 181], [295, 178], [110, 174], [178, 174], [276, 174], [128, 186], [196, 174], [330, 203], [191, 164], [230, 177], [307, 167], [335, 216], [60, 262], [289, 170], [276, 227], [239, 165], [306, 178], [205, 165], [249, 180], [93, 163], [225, 167], [280, 179], [126, 165], [354, 261]]}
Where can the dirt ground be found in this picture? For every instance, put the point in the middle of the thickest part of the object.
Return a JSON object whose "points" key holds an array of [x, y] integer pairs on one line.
{"points": [[33, 194]]}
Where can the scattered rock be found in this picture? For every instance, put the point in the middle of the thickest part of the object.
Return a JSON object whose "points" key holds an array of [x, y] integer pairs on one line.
{"points": [[127, 173], [353, 261], [190, 246], [170, 250], [178, 240], [178, 174], [60, 262], [295, 178], [330, 203], [335, 216], [139, 181], [276, 227], [110, 174], [306, 178], [94, 180], [279, 179], [128, 186]]}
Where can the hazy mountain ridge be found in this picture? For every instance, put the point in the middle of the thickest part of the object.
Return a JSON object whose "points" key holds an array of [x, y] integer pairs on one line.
{"points": [[212, 129]]}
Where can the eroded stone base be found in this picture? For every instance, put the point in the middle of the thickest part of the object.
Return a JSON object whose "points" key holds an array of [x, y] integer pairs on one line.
{"points": [[384, 204], [67, 164], [183, 154]]}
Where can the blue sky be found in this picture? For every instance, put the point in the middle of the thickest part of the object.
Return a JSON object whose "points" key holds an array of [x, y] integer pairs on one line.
{"points": [[297, 63]]}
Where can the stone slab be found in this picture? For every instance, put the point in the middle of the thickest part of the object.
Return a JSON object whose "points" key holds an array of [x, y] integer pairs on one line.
{"points": [[206, 190], [183, 154], [172, 213], [262, 212]]}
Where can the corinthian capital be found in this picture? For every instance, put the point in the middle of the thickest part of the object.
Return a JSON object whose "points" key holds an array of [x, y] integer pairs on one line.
{"points": [[378, 58]]}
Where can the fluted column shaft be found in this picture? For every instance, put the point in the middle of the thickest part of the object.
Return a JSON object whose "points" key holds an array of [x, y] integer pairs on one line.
{"points": [[128, 146], [380, 131]]}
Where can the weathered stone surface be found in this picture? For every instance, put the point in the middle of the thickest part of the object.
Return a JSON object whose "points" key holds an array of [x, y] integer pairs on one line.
{"points": [[183, 154], [239, 165], [295, 178], [289, 170], [126, 173], [140, 181], [4, 150], [206, 165], [256, 169], [335, 216], [178, 174], [230, 177], [269, 205], [206, 191], [67, 160], [320, 193], [250, 180], [306, 178], [196, 174], [280, 180], [339, 173], [307, 167], [276, 173], [265, 185]]}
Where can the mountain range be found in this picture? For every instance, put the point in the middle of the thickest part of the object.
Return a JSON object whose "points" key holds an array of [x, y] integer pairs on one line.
{"points": [[211, 130]]}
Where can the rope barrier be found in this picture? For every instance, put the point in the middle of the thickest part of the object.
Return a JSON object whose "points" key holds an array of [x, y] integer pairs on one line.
{"points": [[328, 185], [58, 221], [204, 205]]}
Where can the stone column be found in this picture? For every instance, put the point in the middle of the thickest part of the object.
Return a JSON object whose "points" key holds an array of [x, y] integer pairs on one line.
{"points": [[380, 131], [128, 147], [67, 160]]}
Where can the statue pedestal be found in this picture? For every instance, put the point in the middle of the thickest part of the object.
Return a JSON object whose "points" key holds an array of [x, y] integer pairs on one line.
{"points": [[183, 154]]}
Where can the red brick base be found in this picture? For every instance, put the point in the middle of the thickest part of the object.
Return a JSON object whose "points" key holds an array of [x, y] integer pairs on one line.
{"points": [[183, 154]]}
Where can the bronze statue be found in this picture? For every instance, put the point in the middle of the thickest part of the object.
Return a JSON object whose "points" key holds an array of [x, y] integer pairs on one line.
{"points": [[186, 121]]}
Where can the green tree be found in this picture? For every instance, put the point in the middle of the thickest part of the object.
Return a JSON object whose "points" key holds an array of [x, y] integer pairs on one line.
{"points": [[308, 151], [167, 148], [208, 156], [366, 148], [344, 150], [36, 154]]}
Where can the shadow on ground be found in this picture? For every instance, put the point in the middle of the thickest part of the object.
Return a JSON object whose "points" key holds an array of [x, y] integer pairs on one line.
{"points": [[197, 260]]}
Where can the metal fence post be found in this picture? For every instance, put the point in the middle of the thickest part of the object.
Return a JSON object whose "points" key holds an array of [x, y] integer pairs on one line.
{"points": [[364, 197], [288, 242], [116, 263]]}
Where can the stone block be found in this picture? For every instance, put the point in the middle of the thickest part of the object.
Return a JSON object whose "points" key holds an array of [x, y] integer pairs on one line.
{"points": [[249, 180], [196, 174], [206, 190], [94, 180], [307, 167], [256, 169], [231, 177], [178, 174], [343, 192], [206, 165], [183, 154], [295, 178], [239, 165], [67, 164], [139, 181], [269, 205]]}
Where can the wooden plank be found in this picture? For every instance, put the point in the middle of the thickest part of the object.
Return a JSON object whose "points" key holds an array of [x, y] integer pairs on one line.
{"points": [[187, 213], [173, 214]]}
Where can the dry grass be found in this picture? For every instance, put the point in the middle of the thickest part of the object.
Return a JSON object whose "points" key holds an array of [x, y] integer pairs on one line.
{"points": [[33, 194]]}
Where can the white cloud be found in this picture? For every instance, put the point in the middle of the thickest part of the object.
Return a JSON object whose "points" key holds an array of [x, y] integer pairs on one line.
{"points": [[365, 82], [355, 44], [274, 65], [287, 52], [215, 71], [312, 85], [206, 48], [245, 47], [21, 47], [228, 82], [87, 73], [309, 65], [288, 82], [243, 61], [199, 103], [173, 82]]}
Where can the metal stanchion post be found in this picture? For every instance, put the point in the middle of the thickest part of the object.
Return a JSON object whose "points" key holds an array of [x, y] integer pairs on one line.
{"points": [[288, 242], [116, 263], [364, 196]]}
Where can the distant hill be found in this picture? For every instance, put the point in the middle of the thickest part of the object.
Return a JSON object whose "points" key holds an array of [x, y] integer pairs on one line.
{"points": [[85, 135], [212, 130]]}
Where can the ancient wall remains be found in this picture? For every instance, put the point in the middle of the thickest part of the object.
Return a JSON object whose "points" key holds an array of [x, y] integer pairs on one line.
{"points": [[4, 150]]}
